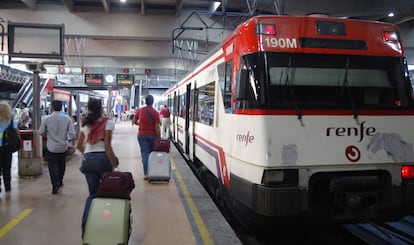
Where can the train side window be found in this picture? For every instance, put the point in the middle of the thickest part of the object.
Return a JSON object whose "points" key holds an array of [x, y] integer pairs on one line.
{"points": [[227, 87], [225, 78], [176, 106], [205, 100], [241, 84], [191, 105], [182, 105]]}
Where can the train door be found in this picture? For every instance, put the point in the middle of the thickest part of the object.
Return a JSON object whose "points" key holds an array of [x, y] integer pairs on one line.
{"points": [[192, 112], [187, 120], [175, 113]]}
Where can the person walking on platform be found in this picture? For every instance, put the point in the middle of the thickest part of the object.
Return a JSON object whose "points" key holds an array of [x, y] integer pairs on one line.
{"points": [[5, 156], [165, 122], [58, 128], [24, 117], [95, 143], [148, 121]]}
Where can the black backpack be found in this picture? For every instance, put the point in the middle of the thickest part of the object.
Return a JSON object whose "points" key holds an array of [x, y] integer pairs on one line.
{"points": [[11, 140]]}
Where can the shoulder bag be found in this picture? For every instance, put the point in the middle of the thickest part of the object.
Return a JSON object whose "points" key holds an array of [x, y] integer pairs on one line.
{"points": [[116, 185], [11, 140]]}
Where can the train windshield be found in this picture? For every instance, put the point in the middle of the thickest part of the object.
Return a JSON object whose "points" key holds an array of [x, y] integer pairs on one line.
{"points": [[314, 81]]}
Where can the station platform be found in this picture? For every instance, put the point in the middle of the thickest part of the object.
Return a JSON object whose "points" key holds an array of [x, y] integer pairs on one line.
{"points": [[179, 212]]}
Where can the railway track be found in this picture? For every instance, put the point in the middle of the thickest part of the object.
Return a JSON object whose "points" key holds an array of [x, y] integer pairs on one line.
{"points": [[396, 233], [390, 233]]}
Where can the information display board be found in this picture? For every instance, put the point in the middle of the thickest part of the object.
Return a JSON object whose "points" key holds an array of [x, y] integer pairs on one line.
{"points": [[29, 42], [93, 79], [125, 79]]}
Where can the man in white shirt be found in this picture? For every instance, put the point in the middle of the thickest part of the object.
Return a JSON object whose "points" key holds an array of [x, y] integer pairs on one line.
{"points": [[59, 129], [24, 118]]}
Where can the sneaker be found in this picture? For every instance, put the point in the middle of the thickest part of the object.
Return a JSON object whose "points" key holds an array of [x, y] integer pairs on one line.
{"points": [[145, 177], [55, 190]]}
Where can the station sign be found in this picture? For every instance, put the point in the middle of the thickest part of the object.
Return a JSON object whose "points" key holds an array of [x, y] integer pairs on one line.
{"points": [[92, 79], [125, 79], [62, 95]]}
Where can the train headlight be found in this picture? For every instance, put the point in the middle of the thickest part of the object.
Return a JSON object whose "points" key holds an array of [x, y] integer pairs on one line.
{"points": [[390, 36], [285, 177], [265, 29], [407, 172], [392, 39]]}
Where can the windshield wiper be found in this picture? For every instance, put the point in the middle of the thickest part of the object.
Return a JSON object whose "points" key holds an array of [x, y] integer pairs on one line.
{"points": [[287, 82], [348, 89]]}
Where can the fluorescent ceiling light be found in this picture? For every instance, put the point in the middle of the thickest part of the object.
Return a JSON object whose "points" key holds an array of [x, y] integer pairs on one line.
{"points": [[122, 1], [214, 6]]}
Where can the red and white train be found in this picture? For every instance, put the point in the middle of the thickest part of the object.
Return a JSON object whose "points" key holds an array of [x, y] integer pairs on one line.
{"points": [[305, 119]]}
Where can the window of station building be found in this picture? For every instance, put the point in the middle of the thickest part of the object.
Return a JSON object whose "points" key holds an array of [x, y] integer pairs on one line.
{"points": [[205, 103], [225, 78]]}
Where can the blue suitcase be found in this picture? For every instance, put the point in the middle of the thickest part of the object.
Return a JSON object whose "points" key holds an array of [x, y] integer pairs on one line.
{"points": [[108, 223]]}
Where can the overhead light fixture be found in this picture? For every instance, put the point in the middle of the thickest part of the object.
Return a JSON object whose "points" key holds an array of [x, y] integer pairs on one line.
{"points": [[122, 1], [214, 6], [391, 14]]}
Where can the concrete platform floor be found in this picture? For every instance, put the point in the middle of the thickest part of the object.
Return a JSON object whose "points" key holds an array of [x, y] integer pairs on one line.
{"points": [[162, 213]]}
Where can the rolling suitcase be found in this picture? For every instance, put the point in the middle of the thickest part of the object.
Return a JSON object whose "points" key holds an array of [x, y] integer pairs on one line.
{"points": [[108, 222], [159, 166]]}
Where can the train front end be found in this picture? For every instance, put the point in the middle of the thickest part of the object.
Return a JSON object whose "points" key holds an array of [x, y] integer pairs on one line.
{"points": [[324, 123]]}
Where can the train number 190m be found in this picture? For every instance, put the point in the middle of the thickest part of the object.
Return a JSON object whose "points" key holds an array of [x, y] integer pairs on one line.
{"points": [[273, 42]]}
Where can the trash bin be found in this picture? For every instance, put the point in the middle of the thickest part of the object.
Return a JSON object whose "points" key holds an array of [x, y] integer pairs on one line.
{"points": [[30, 154]]}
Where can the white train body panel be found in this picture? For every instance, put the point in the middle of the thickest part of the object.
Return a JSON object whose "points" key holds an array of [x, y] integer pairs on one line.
{"points": [[286, 157]]}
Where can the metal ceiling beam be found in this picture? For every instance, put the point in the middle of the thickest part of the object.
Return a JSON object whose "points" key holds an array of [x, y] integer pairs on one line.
{"points": [[220, 18], [142, 7], [251, 6], [223, 5], [69, 5], [107, 5], [279, 6], [410, 18], [178, 7], [31, 4]]}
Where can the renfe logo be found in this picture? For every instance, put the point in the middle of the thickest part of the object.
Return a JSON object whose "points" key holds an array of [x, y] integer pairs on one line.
{"points": [[247, 138], [352, 131]]}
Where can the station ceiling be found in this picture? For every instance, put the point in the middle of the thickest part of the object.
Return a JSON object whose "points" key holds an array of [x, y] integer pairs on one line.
{"points": [[367, 9], [232, 11]]}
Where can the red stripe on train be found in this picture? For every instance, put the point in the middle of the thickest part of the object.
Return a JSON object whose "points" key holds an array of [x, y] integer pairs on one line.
{"points": [[325, 112]]}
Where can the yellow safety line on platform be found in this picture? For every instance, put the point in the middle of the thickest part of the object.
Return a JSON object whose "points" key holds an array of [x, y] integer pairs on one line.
{"points": [[205, 235], [14, 222]]}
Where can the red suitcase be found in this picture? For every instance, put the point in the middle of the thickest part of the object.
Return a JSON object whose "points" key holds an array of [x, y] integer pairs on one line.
{"points": [[161, 145], [116, 185]]}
